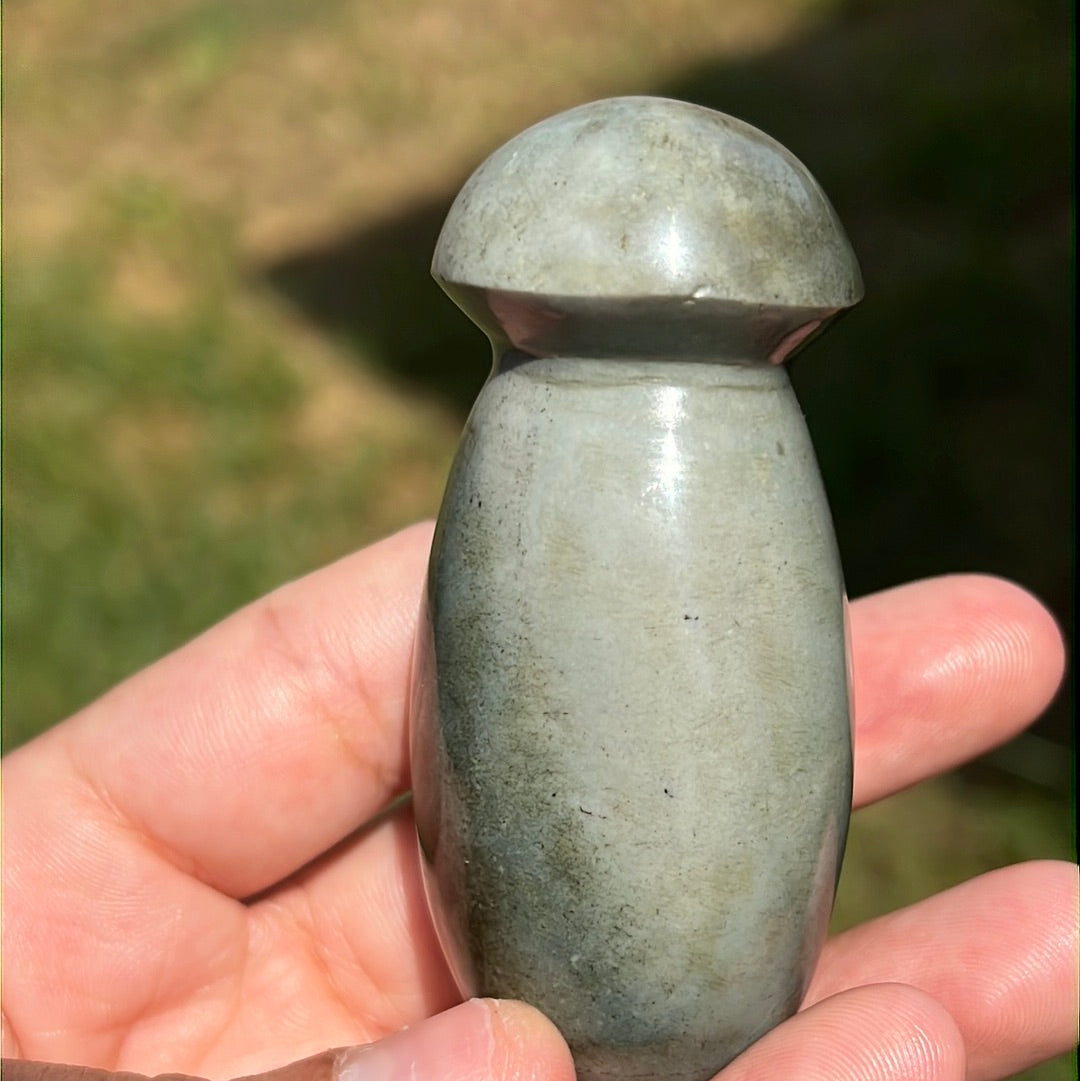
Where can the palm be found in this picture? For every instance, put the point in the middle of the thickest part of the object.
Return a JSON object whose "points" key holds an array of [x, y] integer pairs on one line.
{"points": [[190, 884], [340, 953]]}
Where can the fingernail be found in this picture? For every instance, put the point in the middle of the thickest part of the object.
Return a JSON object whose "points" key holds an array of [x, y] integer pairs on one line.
{"points": [[457, 1043], [375, 1062]]}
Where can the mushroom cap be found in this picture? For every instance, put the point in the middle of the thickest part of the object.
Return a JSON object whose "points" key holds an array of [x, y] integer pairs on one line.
{"points": [[641, 197]]}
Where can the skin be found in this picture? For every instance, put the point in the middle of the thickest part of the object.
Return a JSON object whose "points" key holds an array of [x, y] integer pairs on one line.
{"points": [[197, 878]]}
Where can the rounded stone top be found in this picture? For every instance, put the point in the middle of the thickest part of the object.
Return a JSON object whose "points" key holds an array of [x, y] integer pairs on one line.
{"points": [[641, 197]]}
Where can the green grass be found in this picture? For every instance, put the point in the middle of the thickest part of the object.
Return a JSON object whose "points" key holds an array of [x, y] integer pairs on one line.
{"points": [[161, 469]]}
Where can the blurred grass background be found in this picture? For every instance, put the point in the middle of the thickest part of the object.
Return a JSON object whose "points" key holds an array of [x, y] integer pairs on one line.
{"points": [[224, 363]]}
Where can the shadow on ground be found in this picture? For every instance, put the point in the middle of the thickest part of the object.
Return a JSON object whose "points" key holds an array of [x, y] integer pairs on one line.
{"points": [[941, 408]]}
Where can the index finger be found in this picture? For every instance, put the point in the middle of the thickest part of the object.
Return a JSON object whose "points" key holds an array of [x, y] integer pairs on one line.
{"points": [[267, 739], [264, 742]]}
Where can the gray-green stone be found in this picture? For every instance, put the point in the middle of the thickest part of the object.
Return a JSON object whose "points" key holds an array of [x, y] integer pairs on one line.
{"points": [[631, 734]]}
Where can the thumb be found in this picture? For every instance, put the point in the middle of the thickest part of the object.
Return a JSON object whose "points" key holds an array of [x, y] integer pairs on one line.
{"points": [[480, 1040]]}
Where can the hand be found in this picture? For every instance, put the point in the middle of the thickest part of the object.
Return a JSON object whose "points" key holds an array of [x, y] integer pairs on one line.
{"points": [[190, 884]]}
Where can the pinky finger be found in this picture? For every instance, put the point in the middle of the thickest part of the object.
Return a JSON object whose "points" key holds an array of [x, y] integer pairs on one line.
{"points": [[881, 1032]]}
